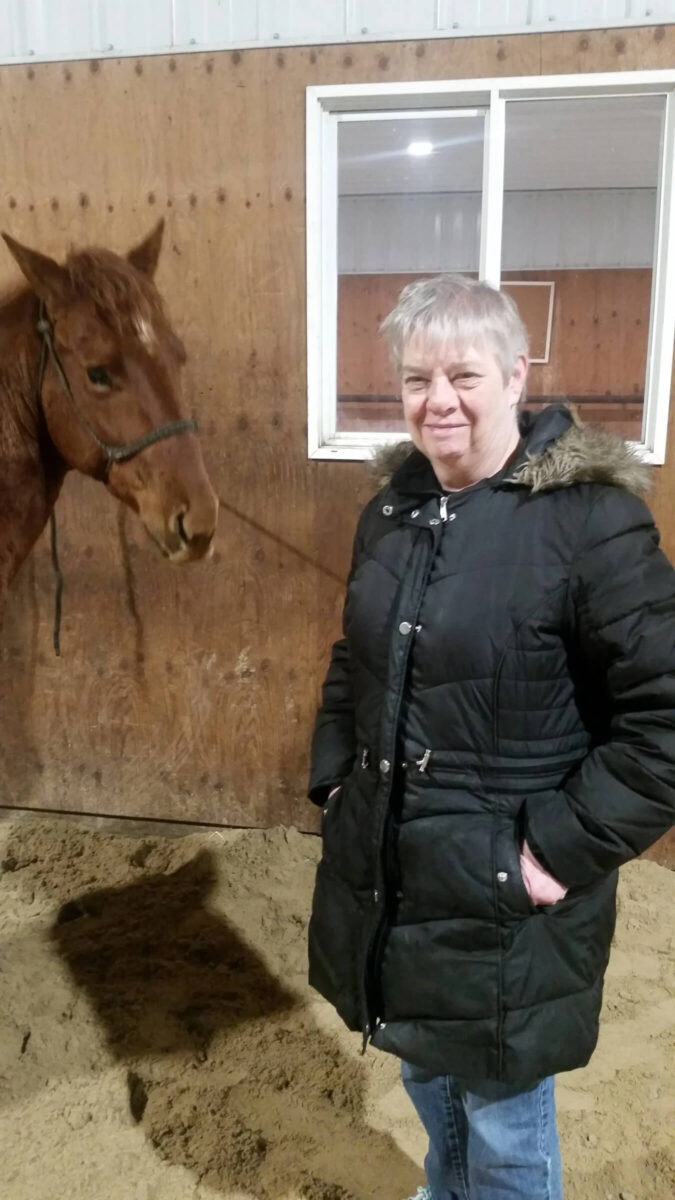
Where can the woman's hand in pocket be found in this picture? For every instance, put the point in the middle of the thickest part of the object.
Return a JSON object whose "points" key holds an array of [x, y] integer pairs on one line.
{"points": [[542, 888]]}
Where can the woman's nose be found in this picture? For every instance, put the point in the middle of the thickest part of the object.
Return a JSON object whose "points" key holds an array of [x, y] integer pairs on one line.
{"points": [[442, 395]]}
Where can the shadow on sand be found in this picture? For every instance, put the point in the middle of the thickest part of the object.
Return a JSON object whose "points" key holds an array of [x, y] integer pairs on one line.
{"points": [[227, 1071]]}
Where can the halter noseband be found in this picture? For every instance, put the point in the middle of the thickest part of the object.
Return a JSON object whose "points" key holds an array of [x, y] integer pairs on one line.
{"points": [[113, 454]]}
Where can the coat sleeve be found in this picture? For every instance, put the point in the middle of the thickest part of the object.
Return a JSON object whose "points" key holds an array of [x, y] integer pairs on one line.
{"points": [[334, 740], [621, 798]]}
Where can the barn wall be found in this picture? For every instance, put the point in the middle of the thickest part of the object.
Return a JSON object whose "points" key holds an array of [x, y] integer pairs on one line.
{"points": [[189, 694], [598, 336]]}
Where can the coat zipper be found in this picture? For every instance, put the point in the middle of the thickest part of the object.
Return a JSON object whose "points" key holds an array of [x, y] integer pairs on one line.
{"points": [[423, 762], [374, 1018]]}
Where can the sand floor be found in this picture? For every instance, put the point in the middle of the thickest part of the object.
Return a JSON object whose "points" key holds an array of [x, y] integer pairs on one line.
{"points": [[158, 1040]]}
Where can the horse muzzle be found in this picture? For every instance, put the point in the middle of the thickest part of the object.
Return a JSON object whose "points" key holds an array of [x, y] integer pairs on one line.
{"points": [[184, 538]]}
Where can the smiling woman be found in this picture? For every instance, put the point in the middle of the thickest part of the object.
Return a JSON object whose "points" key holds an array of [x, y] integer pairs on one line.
{"points": [[496, 738], [461, 350]]}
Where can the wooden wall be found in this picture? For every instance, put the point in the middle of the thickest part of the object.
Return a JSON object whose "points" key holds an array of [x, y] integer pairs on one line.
{"points": [[598, 340], [189, 694]]}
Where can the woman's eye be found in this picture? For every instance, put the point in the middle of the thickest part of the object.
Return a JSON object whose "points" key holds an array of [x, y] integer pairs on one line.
{"points": [[100, 377]]}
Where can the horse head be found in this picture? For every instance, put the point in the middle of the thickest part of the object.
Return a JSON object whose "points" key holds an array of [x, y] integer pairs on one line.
{"points": [[110, 389]]}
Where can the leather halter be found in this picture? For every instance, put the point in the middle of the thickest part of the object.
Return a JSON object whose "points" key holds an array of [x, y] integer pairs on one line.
{"points": [[113, 453]]}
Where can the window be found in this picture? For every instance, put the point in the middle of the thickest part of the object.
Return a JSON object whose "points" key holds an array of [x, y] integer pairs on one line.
{"points": [[559, 190]]}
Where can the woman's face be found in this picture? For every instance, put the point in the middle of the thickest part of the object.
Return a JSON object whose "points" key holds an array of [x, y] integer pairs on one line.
{"points": [[458, 410]]}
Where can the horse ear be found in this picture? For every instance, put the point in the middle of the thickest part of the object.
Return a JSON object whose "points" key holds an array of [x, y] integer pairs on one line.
{"points": [[146, 256], [48, 280]]}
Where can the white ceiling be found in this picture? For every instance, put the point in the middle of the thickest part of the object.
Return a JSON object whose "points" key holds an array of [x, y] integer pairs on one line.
{"points": [[612, 142]]}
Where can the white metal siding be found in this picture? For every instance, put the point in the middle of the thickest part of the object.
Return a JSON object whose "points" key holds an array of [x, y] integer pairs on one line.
{"points": [[81, 28], [464, 16], [376, 17], [605, 12], [199, 23], [152, 24], [7, 31], [282, 20], [542, 231], [40, 26]]}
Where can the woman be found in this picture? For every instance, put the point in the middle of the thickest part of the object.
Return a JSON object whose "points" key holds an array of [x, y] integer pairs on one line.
{"points": [[497, 736]]}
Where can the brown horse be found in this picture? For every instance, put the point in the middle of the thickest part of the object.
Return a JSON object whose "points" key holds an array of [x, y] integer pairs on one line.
{"points": [[90, 381]]}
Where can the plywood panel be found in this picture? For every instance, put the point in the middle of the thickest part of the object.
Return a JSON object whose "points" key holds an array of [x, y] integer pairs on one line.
{"points": [[534, 300], [190, 695], [598, 341], [599, 335], [648, 47]]}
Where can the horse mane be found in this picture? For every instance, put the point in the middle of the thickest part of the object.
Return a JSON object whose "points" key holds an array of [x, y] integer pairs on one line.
{"points": [[122, 296], [124, 299]]}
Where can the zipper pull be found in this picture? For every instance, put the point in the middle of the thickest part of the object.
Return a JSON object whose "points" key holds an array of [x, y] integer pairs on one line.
{"points": [[423, 762], [444, 507]]}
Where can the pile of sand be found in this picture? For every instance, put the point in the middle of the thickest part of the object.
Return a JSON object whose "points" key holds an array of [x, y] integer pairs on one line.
{"points": [[158, 1040]]}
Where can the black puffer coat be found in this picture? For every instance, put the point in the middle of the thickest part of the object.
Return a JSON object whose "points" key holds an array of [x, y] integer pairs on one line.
{"points": [[507, 671]]}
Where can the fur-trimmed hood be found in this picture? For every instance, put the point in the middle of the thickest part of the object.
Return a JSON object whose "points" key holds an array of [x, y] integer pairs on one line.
{"points": [[557, 451]]}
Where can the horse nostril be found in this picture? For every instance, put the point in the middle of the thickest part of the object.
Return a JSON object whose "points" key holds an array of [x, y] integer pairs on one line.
{"points": [[195, 542], [182, 532]]}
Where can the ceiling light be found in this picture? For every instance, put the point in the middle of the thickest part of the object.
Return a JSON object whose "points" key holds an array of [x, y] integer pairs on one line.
{"points": [[420, 149]]}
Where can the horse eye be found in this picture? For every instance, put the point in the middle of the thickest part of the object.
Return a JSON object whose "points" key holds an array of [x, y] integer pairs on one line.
{"points": [[99, 377]]}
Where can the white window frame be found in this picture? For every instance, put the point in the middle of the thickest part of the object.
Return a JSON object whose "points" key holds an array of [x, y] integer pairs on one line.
{"points": [[327, 105]]}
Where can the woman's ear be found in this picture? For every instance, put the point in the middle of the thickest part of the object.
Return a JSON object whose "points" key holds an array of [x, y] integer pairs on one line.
{"points": [[518, 377]]}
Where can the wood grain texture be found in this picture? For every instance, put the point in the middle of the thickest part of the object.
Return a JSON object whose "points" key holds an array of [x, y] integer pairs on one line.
{"points": [[598, 337], [190, 695]]}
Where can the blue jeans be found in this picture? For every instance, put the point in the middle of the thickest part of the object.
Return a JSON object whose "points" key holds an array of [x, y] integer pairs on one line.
{"points": [[487, 1141]]}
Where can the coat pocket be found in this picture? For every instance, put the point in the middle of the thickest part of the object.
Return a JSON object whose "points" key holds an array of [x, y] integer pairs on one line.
{"points": [[512, 894]]}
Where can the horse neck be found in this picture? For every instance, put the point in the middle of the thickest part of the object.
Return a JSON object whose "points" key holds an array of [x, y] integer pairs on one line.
{"points": [[31, 471]]}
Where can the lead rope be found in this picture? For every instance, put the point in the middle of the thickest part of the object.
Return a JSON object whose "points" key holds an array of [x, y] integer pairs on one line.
{"points": [[56, 634], [58, 574]]}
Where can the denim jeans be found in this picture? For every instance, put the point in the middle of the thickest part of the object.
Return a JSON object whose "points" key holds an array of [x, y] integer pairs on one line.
{"points": [[487, 1141]]}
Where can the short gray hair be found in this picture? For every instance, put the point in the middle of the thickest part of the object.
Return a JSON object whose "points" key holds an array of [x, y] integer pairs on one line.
{"points": [[457, 308]]}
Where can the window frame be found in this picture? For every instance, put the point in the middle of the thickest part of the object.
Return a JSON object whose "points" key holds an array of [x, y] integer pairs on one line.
{"points": [[325, 105]]}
